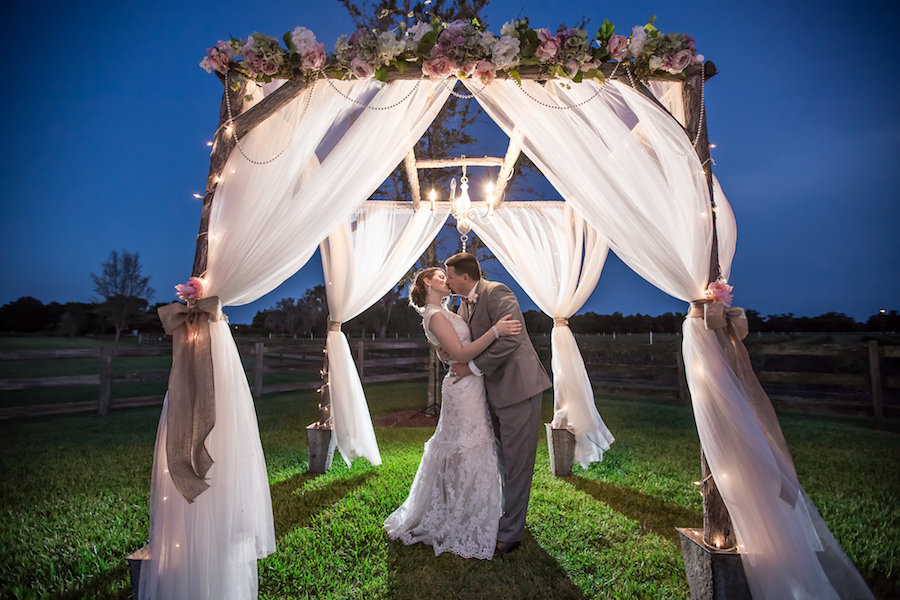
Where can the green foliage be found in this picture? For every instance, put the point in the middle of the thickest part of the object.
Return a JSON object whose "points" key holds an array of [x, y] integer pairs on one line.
{"points": [[73, 500]]}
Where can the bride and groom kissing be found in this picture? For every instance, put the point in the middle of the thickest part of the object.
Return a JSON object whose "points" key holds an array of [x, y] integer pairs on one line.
{"points": [[470, 493]]}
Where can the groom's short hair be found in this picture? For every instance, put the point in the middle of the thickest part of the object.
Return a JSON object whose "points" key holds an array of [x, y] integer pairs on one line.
{"points": [[465, 263]]}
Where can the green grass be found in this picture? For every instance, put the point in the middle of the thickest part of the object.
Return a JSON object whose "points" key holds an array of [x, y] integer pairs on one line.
{"points": [[74, 490]]}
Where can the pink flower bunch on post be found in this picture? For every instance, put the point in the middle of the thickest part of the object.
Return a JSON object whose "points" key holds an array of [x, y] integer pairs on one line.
{"points": [[616, 46], [549, 45], [190, 291], [217, 58], [720, 291]]}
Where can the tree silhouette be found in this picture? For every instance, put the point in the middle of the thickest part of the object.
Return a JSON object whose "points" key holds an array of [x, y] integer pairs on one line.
{"points": [[125, 291]]}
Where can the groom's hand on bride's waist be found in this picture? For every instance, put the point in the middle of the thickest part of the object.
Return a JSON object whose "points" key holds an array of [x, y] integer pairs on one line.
{"points": [[460, 371]]}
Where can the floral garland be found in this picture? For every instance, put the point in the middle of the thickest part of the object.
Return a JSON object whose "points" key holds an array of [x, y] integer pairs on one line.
{"points": [[461, 48]]}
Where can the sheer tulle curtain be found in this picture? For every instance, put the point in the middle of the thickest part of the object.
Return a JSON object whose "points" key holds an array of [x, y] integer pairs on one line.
{"points": [[631, 171], [363, 259], [557, 258], [267, 220]]}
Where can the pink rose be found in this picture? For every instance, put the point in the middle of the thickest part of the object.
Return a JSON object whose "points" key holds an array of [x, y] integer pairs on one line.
{"points": [[677, 63], [485, 71], [191, 290], [438, 67], [550, 46], [616, 46], [268, 67], [361, 69], [313, 58], [720, 291]]}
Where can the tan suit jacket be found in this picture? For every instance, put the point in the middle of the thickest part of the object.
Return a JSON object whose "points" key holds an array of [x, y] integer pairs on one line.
{"points": [[512, 370]]}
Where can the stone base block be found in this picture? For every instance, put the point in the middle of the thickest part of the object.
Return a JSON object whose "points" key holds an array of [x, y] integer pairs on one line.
{"points": [[712, 574], [561, 443]]}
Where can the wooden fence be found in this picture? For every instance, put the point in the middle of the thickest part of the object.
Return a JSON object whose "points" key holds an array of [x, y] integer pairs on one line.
{"points": [[854, 381]]}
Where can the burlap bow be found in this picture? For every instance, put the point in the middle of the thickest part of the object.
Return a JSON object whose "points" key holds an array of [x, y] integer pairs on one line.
{"points": [[731, 327], [191, 410]]}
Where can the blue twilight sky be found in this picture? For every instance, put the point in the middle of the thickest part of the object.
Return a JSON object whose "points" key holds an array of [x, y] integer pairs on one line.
{"points": [[107, 115]]}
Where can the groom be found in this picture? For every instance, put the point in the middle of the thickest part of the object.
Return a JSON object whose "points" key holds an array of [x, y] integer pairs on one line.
{"points": [[514, 379]]}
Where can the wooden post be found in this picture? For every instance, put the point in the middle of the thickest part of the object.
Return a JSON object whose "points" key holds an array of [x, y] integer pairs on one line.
{"points": [[875, 381], [324, 421], [223, 144], [258, 371], [684, 396], [106, 355], [360, 357], [717, 529]]}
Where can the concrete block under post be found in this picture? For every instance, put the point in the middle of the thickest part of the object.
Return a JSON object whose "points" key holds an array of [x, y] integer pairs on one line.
{"points": [[134, 567], [561, 443], [712, 574], [320, 445]]}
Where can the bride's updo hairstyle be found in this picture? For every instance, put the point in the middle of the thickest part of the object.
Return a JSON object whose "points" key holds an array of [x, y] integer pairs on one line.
{"points": [[417, 291]]}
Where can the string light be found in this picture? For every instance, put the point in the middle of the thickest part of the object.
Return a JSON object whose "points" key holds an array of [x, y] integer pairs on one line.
{"points": [[712, 145], [198, 196], [209, 142]]}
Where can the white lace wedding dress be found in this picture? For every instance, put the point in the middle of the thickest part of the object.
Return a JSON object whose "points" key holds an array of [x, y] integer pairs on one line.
{"points": [[454, 504]]}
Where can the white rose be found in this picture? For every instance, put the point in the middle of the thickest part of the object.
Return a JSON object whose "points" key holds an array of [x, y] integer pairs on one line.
{"points": [[414, 34], [303, 39], [508, 29], [505, 53], [388, 47], [638, 38]]}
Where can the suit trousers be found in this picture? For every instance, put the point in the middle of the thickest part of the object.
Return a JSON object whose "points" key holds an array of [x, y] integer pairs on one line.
{"points": [[517, 428]]}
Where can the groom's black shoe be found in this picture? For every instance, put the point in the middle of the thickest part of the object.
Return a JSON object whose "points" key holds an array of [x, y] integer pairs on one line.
{"points": [[504, 548]]}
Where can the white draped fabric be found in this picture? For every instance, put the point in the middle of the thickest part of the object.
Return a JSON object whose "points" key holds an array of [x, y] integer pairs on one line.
{"points": [[557, 258], [362, 259], [631, 171], [267, 220]]}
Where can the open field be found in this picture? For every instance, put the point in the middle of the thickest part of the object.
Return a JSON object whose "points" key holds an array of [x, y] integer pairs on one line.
{"points": [[74, 494]]}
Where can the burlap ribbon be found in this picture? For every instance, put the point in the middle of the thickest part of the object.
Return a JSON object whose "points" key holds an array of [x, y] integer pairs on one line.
{"points": [[334, 325], [560, 322], [731, 327], [191, 412]]}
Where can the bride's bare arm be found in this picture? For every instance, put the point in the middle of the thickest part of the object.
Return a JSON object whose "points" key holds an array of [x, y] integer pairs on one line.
{"points": [[446, 335]]}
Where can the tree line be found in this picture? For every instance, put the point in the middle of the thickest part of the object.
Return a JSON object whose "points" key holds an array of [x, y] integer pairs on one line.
{"points": [[308, 316]]}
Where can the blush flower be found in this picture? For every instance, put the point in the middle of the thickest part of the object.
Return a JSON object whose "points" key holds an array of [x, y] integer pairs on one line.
{"points": [[720, 291], [192, 290], [361, 69], [485, 71], [438, 67], [616, 46], [549, 47]]}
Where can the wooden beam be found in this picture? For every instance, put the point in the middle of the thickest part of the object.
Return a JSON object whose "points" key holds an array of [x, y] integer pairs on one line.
{"points": [[245, 122], [468, 161], [509, 163], [412, 175]]}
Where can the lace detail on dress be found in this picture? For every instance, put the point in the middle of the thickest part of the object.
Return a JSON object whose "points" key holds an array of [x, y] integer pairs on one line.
{"points": [[454, 503]]}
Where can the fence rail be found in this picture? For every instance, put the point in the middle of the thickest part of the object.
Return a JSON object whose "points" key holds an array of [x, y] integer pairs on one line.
{"points": [[635, 370]]}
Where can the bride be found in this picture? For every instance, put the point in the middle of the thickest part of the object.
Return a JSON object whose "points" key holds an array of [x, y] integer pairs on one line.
{"points": [[454, 504]]}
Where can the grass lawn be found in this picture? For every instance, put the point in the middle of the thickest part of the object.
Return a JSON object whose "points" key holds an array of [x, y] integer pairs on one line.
{"points": [[74, 501]]}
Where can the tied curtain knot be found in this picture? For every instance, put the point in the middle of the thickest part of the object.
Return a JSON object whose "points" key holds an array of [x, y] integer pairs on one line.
{"points": [[560, 322], [716, 315], [191, 413], [334, 325]]}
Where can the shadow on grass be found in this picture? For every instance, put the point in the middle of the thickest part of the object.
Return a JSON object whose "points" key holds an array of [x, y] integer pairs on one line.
{"points": [[529, 572], [652, 513], [291, 508], [114, 584]]}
